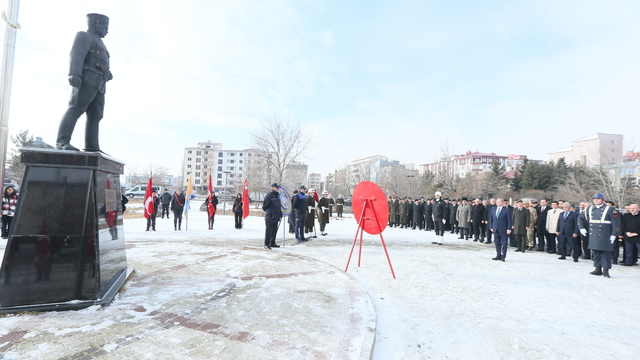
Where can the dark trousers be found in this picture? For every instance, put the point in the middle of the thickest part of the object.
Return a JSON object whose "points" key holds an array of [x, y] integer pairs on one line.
{"points": [[562, 244], [521, 241], [489, 234], [301, 217], [6, 225], [211, 220], [270, 233], [551, 242], [542, 236], [85, 99], [586, 253], [151, 221], [616, 250], [177, 218], [502, 243], [438, 226], [464, 232], [477, 231], [430, 225], [237, 217], [512, 240], [632, 252], [165, 209], [339, 210], [576, 247], [602, 259]]}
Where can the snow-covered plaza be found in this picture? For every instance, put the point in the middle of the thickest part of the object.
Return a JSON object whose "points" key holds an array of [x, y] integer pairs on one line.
{"points": [[217, 294]]}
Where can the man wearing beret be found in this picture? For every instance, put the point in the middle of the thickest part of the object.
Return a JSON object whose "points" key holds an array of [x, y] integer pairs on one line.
{"points": [[603, 229]]}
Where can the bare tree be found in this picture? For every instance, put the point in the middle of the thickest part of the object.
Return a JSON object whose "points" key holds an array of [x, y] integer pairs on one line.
{"points": [[280, 142]]}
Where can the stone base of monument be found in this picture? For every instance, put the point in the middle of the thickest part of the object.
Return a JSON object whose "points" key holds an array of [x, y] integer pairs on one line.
{"points": [[66, 247]]}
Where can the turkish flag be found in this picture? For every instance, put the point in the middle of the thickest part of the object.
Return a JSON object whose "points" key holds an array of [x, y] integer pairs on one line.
{"points": [[148, 200], [245, 199], [210, 208]]}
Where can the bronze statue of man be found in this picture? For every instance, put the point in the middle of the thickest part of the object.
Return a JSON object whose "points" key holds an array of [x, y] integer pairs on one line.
{"points": [[88, 74]]}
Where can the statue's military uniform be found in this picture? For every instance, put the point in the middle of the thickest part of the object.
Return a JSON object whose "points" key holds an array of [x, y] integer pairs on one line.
{"points": [[89, 60], [601, 223]]}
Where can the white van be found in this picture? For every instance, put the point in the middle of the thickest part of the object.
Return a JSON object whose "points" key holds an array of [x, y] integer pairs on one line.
{"points": [[139, 190]]}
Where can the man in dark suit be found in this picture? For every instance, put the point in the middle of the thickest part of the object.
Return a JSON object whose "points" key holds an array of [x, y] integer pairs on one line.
{"points": [[520, 221], [477, 215], [586, 253], [541, 226], [630, 226], [567, 230], [488, 210], [500, 223]]}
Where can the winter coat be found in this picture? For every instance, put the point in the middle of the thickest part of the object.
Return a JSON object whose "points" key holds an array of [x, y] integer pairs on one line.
{"points": [[477, 214], [214, 201], [272, 207], [393, 210], [520, 220], [463, 215], [440, 210], [552, 219], [177, 202], [237, 205], [311, 212], [600, 227], [9, 204], [630, 224], [323, 210], [165, 198], [453, 211], [300, 203], [403, 212]]}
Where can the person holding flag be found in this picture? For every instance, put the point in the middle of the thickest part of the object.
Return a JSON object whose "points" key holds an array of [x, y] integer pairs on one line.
{"points": [[177, 207], [211, 202], [151, 208], [245, 199]]}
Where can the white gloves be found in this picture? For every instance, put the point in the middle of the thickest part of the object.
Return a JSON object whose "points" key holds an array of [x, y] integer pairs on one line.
{"points": [[613, 239], [583, 232], [444, 221], [310, 208], [323, 208]]}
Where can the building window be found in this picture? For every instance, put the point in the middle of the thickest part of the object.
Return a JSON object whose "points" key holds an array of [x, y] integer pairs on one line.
{"points": [[231, 161], [232, 168], [232, 154], [240, 154], [188, 159], [197, 173], [219, 176], [208, 146], [188, 172], [219, 183], [206, 152], [239, 161], [240, 168], [197, 160], [197, 167], [188, 166], [204, 166], [231, 175], [220, 154], [219, 168], [219, 161], [198, 153]]}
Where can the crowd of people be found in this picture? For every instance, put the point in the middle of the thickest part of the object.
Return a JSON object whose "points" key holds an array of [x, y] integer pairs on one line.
{"points": [[591, 231]]}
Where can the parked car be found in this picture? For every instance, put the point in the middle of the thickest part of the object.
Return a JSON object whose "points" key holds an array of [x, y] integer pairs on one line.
{"points": [[139, 190]]}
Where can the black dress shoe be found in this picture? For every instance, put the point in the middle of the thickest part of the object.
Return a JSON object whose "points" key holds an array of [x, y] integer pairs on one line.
{"points": [[626, 264], [605, 272], [597, 272], [562, 258], [615, 262], [539, 249], [503, 260], [275, 245], [434, 242], [575, 260], [496, 258], [267, 247]]}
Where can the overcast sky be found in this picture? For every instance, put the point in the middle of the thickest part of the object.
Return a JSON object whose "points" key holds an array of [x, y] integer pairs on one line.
{"points": [[396, 78]]}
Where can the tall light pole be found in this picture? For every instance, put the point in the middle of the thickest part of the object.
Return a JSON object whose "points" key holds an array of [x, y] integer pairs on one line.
{"points": [[8, 53], [410, 176], [224, 203]]}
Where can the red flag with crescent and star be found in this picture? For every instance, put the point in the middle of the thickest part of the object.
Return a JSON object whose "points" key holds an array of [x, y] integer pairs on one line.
{"points": [[148, 200], [245, 199]]}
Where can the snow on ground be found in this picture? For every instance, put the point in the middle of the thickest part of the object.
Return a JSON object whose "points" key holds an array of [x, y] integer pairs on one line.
{"points": [[449, 301]]}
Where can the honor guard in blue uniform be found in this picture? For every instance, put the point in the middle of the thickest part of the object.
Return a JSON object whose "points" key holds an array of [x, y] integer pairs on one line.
{"points": [[602, 223]]}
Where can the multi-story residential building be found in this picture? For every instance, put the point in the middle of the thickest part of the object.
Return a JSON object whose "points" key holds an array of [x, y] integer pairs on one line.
{"points": [[472, 162], [594, 150], [315, 182]]}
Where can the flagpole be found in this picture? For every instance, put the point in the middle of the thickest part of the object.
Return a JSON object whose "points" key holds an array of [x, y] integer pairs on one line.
{"points": [[8, 54]]}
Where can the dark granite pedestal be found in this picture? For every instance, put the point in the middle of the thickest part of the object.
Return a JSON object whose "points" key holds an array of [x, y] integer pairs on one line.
{"points": [[66, 246]]}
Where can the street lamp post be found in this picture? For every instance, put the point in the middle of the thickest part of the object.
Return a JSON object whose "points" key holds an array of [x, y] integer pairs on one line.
{"points": [[410, 176], [224, 203]]}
